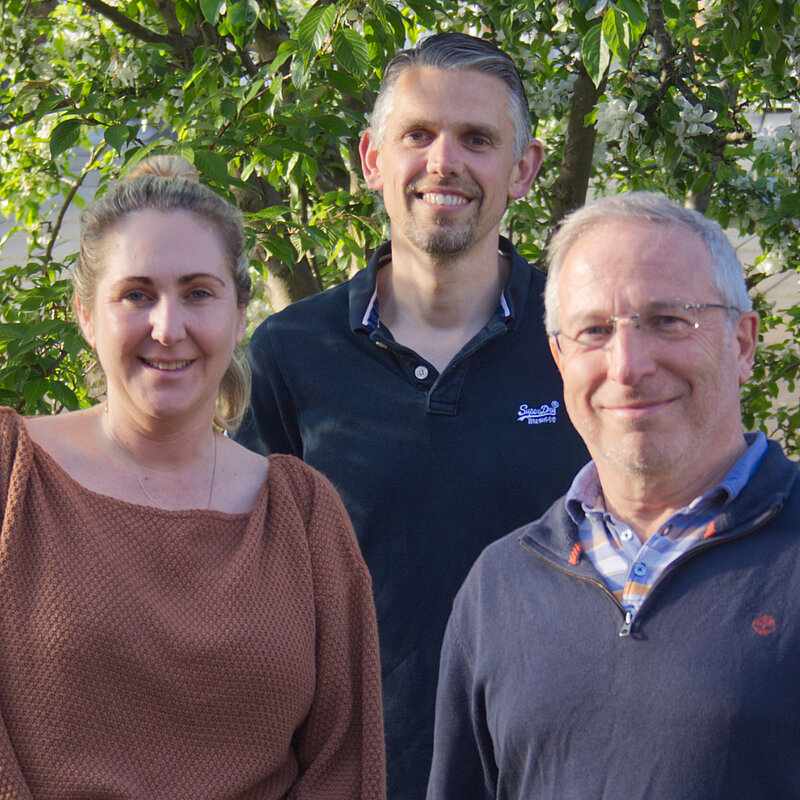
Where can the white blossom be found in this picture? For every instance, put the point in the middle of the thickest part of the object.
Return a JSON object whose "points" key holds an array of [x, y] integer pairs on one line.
{"points": [[597, 10], [693, 120], [618, 122], [775, 261], [124, 71], [562, 24], [553, 97]]}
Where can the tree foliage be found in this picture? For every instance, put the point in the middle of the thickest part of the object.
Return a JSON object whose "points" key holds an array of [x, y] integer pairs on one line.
{"points": [[268, 99]]}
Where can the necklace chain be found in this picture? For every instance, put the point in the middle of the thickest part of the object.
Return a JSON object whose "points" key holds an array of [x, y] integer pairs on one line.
{"points": [[129, 464]]}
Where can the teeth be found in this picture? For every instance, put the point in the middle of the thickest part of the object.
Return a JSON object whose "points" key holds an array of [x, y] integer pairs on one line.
{"points": [[167, 365], [445, 199]]}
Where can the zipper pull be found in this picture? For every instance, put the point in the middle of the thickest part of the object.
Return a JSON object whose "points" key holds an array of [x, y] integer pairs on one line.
{"points": [[625, 630]]}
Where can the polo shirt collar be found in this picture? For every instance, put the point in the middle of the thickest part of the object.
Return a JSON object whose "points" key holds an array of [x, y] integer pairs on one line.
{"points": [[363, 296]]}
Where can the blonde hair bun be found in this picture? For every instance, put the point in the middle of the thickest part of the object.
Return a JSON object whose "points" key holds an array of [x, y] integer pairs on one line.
{"points": [[165, 167]]}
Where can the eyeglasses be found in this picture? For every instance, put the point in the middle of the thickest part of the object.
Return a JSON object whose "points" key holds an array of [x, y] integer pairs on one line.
{"points": [[661, 322]]}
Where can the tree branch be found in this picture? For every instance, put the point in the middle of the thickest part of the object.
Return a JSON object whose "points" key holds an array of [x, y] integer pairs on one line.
{"points": [[68, 200], [664, 45], [134, 28]]}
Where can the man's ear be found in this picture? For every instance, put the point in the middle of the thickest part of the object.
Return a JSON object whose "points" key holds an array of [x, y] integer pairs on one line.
{"points": [[555, 352], [746, 333], [370, 161], [85, 323], [525, 170]]}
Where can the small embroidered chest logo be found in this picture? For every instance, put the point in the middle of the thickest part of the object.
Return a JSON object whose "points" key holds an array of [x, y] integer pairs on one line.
{"points": [[764, 625], [538, 416]]}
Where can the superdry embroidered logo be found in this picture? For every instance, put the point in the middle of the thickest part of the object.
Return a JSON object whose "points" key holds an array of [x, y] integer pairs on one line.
{"points": [[764, 625], [537, 416]]}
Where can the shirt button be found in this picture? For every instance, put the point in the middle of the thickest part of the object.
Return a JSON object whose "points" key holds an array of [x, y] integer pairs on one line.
{"points": [[626, 535], [421, 372], [639, 569]]}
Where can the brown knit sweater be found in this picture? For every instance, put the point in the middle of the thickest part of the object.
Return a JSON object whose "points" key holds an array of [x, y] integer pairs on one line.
{"points": [[147, 653]]}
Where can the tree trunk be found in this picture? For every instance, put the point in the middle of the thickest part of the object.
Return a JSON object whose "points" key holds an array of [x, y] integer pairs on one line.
{"points": [[569, 189]]}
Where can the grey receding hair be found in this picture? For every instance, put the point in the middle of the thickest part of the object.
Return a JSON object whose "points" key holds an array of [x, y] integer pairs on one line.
{"points": [[649, 207], [456, 51], [170, 183]]}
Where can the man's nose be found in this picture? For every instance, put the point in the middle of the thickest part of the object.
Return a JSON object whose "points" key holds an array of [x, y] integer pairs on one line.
{"points": [[444, 157], [629, 352]]}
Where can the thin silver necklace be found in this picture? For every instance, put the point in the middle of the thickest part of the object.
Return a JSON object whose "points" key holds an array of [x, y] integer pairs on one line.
{"points": [[129, 464]]}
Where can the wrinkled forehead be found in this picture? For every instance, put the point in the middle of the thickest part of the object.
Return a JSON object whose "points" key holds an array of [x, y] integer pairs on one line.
{"points": [[617, 267]]}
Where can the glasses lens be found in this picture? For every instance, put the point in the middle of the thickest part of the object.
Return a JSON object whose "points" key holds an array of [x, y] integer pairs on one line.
{"points": [[668, 321]]}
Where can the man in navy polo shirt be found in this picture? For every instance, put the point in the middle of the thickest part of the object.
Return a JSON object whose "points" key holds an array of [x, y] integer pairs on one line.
{"points": [[423, 387], [642, 639]]}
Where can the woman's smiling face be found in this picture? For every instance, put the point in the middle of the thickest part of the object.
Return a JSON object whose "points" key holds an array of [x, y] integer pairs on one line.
{"points": [[164, 319]]}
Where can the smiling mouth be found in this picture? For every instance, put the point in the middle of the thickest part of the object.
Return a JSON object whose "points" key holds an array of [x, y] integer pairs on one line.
{"points": [[640, 409], [439, 199], [167, 366]]}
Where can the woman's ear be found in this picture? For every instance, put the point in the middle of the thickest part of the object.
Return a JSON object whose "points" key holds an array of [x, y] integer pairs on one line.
{"points": [[85, 323]]}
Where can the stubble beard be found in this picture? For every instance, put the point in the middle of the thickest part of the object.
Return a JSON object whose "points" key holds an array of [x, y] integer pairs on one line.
{"points": [[442, 239]]}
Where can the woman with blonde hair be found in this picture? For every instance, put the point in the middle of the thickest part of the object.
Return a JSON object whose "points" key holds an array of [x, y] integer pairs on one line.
{"points": [[179, 617]]}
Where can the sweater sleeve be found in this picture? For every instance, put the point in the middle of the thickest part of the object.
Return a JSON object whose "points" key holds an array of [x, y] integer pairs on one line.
{"points": [[13, 468], [463, 755], [340, 746], [270, 423]]}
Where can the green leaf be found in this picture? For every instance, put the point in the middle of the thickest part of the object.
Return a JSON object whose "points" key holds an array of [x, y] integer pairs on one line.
{"points": [[117, 136], [61, 393], [716, 99], [351, 52], [333, 124], [671, 11], [790, 205], [211, 9], [186, 12], [285, 50], [701, 182], [596, 55], [315, 27], [47, 105], [34, 391], [636, 16], [241, 17], [212, 165], [281, 250], [425, 11], [617, 33], [64, 136], [344, 83]]}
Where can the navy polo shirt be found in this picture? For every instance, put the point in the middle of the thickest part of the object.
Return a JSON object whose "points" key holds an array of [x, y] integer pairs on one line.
{"points": [[431, 467]]}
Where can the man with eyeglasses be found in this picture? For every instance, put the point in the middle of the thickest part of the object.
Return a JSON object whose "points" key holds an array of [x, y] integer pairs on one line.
{"points": [[642, 639]]}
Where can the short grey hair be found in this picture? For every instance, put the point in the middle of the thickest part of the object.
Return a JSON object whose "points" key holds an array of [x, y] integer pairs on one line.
{"points": [[456, 51], [648, 207]]}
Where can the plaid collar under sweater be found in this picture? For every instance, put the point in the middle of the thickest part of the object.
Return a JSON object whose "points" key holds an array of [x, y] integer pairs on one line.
{"points": [[629, 567]]}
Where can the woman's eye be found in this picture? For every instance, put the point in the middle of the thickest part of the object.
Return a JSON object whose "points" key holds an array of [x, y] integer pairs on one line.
{"points": [[134, 296], [199, 294]]}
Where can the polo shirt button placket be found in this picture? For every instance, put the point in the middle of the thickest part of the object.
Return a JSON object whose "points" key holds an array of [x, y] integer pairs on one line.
{"points": [[421, 372]]}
